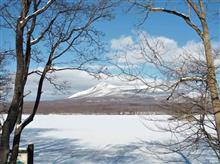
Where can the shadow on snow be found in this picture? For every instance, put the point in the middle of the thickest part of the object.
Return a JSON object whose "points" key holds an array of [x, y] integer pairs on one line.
{"points": [[70, 151]]}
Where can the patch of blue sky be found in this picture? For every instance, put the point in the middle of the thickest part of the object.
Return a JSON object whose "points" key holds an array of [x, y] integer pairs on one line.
{"points": [[160, 24]]}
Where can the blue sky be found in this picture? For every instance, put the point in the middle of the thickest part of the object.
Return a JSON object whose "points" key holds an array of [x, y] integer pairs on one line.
{"points": [[156, 24], [124, 25], [159, 24]]}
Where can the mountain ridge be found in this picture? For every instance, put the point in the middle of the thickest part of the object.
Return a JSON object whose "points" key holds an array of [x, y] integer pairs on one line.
{"points": [[108, 90]]}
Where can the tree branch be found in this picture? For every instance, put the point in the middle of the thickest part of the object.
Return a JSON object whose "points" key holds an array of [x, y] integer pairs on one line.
{"points": [[193, 5], [38, 12], [183, 79], [181, 15], [35, 41]]}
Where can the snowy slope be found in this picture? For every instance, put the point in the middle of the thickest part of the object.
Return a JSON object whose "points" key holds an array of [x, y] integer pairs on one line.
{"points": [[104, 89]]}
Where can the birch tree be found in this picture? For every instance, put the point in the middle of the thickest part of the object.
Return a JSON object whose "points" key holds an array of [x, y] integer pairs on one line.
{"points": [[203, 32], [200, 74]]}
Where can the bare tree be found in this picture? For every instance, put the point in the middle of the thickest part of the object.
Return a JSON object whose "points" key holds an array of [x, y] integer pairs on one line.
{"points": [[186, 72], [198, 8], [55, 35]]}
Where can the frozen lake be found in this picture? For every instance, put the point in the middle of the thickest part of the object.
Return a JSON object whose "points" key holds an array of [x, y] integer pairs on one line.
{"points": [[101, 139]]}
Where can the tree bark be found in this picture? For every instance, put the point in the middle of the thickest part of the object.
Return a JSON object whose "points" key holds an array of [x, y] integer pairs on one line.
{"points": [[15, 149], [11, 119], [211, 77]]}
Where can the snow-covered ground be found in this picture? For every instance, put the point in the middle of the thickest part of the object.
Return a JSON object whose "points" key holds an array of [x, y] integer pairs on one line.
{"points": [[102, 139]]}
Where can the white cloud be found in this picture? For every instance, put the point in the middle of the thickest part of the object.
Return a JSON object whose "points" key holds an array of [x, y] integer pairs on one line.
{"points": [[167, 48], [73, 81], [121, 43], [145, 49]]}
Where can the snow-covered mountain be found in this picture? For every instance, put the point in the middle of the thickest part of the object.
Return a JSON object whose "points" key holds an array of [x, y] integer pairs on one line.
{"points": [[100, 90], [108, 90]]}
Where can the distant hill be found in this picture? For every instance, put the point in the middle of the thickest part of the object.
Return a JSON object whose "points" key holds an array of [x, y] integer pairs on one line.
{"points": [[105, 98]]}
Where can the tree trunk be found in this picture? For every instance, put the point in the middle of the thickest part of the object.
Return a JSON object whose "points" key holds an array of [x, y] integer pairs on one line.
{"points": [[15, 147], [7, 129], [212, 84], [211, 79], [13, 111], [4, 151]]}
